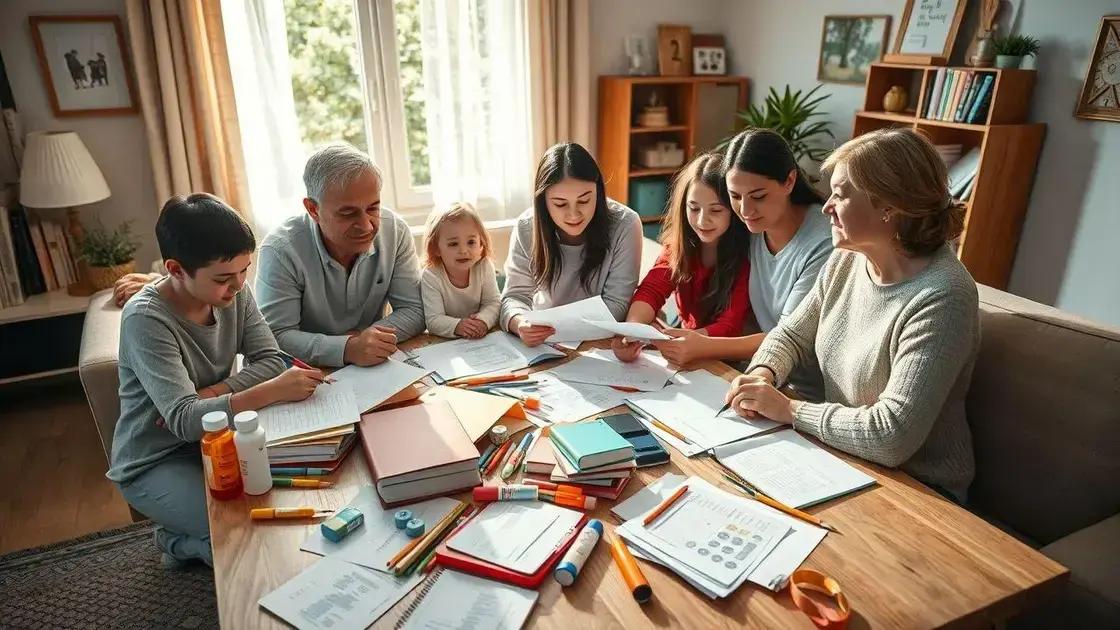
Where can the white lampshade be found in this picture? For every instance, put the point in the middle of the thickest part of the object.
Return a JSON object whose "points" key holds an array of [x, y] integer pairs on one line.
{"points": [[59, 172]]}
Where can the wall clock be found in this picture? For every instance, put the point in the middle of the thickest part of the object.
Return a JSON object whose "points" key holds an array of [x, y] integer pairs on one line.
{"points": [[1100, 95]]}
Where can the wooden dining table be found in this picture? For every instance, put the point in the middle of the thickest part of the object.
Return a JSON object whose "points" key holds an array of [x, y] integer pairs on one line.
{"points": [[904, 556]]}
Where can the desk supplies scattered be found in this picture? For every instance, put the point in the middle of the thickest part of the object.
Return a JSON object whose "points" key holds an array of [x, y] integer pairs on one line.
{"points": [[342, 524], [285, 513], [648, 373], [568, 570], [746, 488], [567, 499], [591, 444], [485, 494], [664, 505], [489, 379], [419, 451], [689, 406], [634, 331], [450, 599], [333, 593], [289, 482], [415, 555], [647, 450], [496, 352], [570, 320], [562, 402], [631, 572], [497, 458], [380, 537], [791, 469]]}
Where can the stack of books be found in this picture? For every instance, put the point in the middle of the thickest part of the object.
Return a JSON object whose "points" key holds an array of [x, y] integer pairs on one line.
{"points": [[35, 254], [322, 449], [961, 96], [589, 455], [950, 153]]}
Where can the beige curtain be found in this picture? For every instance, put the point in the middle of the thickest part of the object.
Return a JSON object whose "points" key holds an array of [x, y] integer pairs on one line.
{"points": [[560, 67], [186, 97]]}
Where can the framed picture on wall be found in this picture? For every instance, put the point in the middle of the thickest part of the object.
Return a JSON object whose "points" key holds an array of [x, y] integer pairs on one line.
{"points": [[927, 32], [849, 45], [84, 64], [1100, 94]]}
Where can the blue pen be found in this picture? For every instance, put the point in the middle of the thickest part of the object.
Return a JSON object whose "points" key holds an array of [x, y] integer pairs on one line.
{"points": [[486, 456], [300, 471]]}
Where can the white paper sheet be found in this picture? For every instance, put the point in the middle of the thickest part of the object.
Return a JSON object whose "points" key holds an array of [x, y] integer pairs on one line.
{"points": [[332, 405], [496, 352], [334, 594], [516, 535], [630, 330], [459, 600], [787, 467], [375, 384], [648, 373], [568, 402], [378, 539], [569, 320]]}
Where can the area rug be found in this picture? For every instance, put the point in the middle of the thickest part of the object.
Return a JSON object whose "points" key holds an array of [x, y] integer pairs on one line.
{"points": [[109, 579]]}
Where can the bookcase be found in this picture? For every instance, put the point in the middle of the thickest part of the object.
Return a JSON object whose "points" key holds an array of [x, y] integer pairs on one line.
{"points": [[1008, 148], [701, 113]]}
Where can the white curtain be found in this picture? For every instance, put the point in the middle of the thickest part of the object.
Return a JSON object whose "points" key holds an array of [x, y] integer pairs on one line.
{"points": [[256, 37], [476, 83]]}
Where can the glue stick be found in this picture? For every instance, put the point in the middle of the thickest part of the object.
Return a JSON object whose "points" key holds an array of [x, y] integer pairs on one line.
{"points": [[578, 553], [505, 493]]}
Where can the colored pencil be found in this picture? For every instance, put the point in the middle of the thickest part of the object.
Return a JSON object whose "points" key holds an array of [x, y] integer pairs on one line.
{"points": [[486, 456], [485, 380], [496, 458], [745, 486], [404, 550], [671, 431], [659, 510], [426, 540]]}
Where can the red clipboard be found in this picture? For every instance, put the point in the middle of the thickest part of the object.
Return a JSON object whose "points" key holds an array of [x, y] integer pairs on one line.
{"points": [[469, 564]]}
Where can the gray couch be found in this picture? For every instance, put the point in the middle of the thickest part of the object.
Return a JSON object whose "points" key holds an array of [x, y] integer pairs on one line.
{"points": [[1045, 412]]}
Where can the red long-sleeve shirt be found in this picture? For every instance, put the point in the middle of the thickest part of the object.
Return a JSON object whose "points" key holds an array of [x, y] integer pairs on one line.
{"points": [[658, 285]]}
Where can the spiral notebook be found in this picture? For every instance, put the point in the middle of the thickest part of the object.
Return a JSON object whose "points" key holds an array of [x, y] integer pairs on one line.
{"points": [[449, 599]]}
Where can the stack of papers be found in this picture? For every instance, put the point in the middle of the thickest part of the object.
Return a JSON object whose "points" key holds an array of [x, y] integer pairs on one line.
{"points": [[793, 470], [716, 540], [323, 449], [649, 373], [518, 535], [457, 600], [565, 402], [571, 320], [689, 405], [496, 352]]}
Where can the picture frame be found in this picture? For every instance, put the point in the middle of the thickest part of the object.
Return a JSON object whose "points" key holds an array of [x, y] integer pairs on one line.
{"points": [[1100, 93], [849, 45], [85, 64], [927, 33], [709, 60], [674, 50]]}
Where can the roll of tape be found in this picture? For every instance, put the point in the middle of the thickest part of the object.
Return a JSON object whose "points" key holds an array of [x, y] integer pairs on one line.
{"points": [[499, 434], [401, 518], [414, 528]]}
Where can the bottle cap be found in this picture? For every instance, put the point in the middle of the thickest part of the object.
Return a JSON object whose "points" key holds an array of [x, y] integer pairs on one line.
{"points": [[485, 493], [215, 421], [499, 434], [246, 421]]}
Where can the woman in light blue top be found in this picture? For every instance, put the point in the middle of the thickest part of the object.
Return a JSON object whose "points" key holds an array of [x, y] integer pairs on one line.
{"points": [[789, 244]]}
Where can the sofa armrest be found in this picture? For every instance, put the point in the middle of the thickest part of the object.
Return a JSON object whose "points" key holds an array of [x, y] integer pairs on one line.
{"points": [[97, 365]]}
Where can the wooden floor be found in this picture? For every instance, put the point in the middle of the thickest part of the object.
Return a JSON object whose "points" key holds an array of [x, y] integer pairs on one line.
{"points": [[52, 466]]}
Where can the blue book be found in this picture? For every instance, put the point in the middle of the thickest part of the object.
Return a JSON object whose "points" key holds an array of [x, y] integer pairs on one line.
{"points": [[958, 113], [980, 107], [591, 444]]}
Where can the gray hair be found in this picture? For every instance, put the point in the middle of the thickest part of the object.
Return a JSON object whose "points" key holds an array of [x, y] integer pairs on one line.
{"points": [[335, 166]]}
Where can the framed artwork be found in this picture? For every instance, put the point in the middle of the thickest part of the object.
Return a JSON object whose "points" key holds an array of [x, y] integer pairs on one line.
{"points": [[709, 60], [927, 33], [674, 50], [84, 65], [1100, 94], [849, 45]]}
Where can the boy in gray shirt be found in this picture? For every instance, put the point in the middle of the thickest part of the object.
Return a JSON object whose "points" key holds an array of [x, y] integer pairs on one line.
{"points": [[179, 338]]}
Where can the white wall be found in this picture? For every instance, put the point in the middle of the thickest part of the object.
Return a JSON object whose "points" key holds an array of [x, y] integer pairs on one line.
{"points": [[117, 143]]}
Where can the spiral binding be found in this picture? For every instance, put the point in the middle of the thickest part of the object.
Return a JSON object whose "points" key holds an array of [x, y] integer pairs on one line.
{"points": [[424, 590]]}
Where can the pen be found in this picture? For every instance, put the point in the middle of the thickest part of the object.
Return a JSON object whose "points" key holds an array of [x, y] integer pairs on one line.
{"points": [[515, 459], [268, 514], [723, 409], [492, 465], [289, 482], [485, 380], [778, 505], [303, 472], [659, 510], [304, 366], [486, 456]]}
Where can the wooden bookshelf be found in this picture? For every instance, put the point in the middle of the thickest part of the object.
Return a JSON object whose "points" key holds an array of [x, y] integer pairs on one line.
{"points": [[621, 99], [1009, 148]]}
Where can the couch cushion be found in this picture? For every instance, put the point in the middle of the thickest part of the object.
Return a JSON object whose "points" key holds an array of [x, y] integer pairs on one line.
{"points": [[97, 364], [1044, 407], [1093, 557]]}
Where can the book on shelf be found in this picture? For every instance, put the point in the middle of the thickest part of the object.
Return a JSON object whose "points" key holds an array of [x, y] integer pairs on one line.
{"points": [[979, 110], [30, 277], [958, 111], [9, 271], [961, 96], [932, 99], [44, 258]]}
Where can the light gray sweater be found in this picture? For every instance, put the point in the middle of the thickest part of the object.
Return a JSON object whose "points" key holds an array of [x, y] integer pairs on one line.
{"points": [[164, 359], [896, 360], [616, 281]]}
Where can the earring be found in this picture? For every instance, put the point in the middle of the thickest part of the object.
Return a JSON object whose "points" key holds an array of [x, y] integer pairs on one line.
{"points": [[886, 217]]}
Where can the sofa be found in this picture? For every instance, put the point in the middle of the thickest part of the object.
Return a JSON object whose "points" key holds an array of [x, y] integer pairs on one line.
{"points": [[1045, 413]]}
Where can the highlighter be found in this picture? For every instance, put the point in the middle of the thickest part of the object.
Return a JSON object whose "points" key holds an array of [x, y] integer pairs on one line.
{"points": [[631, 573]]}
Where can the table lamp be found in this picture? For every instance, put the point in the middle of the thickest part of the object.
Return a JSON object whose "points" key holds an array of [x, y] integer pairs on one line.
{"points": [[59, 172]]}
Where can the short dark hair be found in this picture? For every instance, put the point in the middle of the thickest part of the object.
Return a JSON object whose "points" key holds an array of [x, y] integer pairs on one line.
{"points": [[199, 229]]}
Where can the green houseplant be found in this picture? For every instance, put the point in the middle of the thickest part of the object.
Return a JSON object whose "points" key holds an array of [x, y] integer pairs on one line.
{"points": [[1011, 49], [793, 115], [108, 254]]}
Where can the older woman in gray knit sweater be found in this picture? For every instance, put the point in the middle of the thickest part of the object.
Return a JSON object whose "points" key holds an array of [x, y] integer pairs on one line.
{"points": [[892, 320]]}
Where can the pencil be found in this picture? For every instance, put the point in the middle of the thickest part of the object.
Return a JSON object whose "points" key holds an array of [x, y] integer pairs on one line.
{"points": [[425, 541], [404, 550], [778, 505], [300, 364], [515, 458], [496, 458], [430, 561], [664, 505], [486, 456], [671, 431], [485, 380]]}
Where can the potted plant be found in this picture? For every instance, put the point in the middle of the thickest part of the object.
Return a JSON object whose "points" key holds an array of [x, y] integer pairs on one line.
{"points": [[1010, 50], [791, 114], [108, 254]]}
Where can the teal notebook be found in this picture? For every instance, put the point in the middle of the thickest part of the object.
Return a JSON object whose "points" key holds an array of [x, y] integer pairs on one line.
{"points": [[591, 444]]}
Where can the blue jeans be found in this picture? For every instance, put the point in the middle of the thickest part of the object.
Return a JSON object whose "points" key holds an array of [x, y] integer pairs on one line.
{"points": [[173, 494]]}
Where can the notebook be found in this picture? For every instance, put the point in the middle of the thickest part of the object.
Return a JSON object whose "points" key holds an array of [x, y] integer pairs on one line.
{"points": [[418, 451], [565, 467], [785, 466], [450, 599], [591, 444], [647, 450]]}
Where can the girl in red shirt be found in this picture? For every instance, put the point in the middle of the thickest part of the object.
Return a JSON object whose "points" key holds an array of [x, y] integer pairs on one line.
{"points": [[703, 259]]}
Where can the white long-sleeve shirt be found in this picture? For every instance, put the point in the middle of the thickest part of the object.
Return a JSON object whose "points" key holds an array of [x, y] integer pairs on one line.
{"points": [[446, 304]]}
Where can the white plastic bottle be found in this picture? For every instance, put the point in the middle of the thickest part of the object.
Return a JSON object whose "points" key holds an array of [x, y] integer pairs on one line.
{"points": [[252, 453]]}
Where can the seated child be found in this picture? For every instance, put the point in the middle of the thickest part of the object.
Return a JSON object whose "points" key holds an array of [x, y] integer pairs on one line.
{"points": [[458, 286], [179, 338], [703, 260]]}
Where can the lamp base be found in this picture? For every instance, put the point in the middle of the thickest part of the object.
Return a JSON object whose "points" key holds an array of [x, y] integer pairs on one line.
{"points": [[81, 288]]}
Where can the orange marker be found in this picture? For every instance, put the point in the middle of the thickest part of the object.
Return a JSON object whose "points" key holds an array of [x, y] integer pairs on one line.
{"points": [[579, 502], [555, 487], [631, 573], [269, 514], [664, 505]]}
